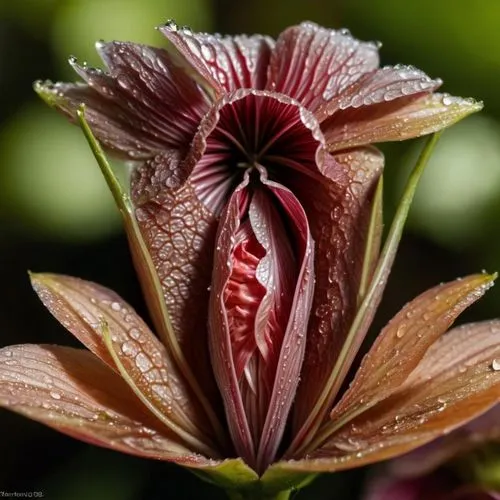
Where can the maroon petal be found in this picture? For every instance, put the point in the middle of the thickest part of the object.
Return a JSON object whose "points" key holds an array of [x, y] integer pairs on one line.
{"points": [[73, 392], [132, 106], [224, 63], [315, 65], [179, 233], [391, 83], [338, 210], [404, 341], [260, 300], [86, 309]]}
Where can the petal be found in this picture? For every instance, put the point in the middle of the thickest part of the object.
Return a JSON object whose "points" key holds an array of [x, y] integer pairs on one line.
{"points": [[223, 363], [315, 65], [338, 211], [224, 63], [73, 392], [179, 234], [391, 83], [456, 381], [294, 341], [396, 120], [355, 332], [404, 341], [131, 107], [425, 459], [84, 308], [278, 353]]}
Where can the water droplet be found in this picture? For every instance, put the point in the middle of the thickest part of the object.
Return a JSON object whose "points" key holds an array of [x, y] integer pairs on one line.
{"points": [[171, 25], [115, 306], [8, 353], [495, 365], [55, 395], [401, 331]]}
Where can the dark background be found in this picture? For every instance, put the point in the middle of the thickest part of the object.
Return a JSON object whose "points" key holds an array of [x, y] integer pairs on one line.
{"points": [[56, 214]]}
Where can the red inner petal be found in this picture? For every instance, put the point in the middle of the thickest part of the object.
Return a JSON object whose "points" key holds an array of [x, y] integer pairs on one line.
{"points": [[242, 296]]}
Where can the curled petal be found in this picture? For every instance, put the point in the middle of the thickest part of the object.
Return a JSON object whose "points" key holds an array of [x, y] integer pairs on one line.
{"points": [[257, 360], [315, 65], [224, 63], [396, 120], [86, 309], [404, 341], [73, 392]]}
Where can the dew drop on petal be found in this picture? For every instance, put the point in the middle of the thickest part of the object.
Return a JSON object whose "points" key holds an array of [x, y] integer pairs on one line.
{"points": [[55, 395], [115, 306], [495, 365]]}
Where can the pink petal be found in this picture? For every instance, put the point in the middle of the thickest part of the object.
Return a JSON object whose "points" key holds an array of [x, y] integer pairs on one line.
{"points": [[224, 63], [73, 392], [396, 120], [257, 411], [315, 65], [86, 309], [338, 210], [131, 107], [403, 342]]}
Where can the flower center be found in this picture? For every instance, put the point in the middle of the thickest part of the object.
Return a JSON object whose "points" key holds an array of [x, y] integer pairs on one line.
{"points": [[249, 129]]}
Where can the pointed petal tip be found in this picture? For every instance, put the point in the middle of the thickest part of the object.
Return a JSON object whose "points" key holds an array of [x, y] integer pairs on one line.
{"points": [[47, 90]]}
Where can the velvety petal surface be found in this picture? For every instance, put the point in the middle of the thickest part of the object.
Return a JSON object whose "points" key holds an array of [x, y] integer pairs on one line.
{"points": [[132, 105], [89, 311], [315, 65], [225, 63], [396, 120], [73, 392], [403, 342]]}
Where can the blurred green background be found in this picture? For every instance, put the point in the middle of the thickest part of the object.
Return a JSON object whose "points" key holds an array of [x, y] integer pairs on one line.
{"points": [[56, 214]]}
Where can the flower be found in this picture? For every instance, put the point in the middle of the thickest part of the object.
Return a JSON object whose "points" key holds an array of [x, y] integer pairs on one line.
{"points": [[254, 220], [457, 466]]}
